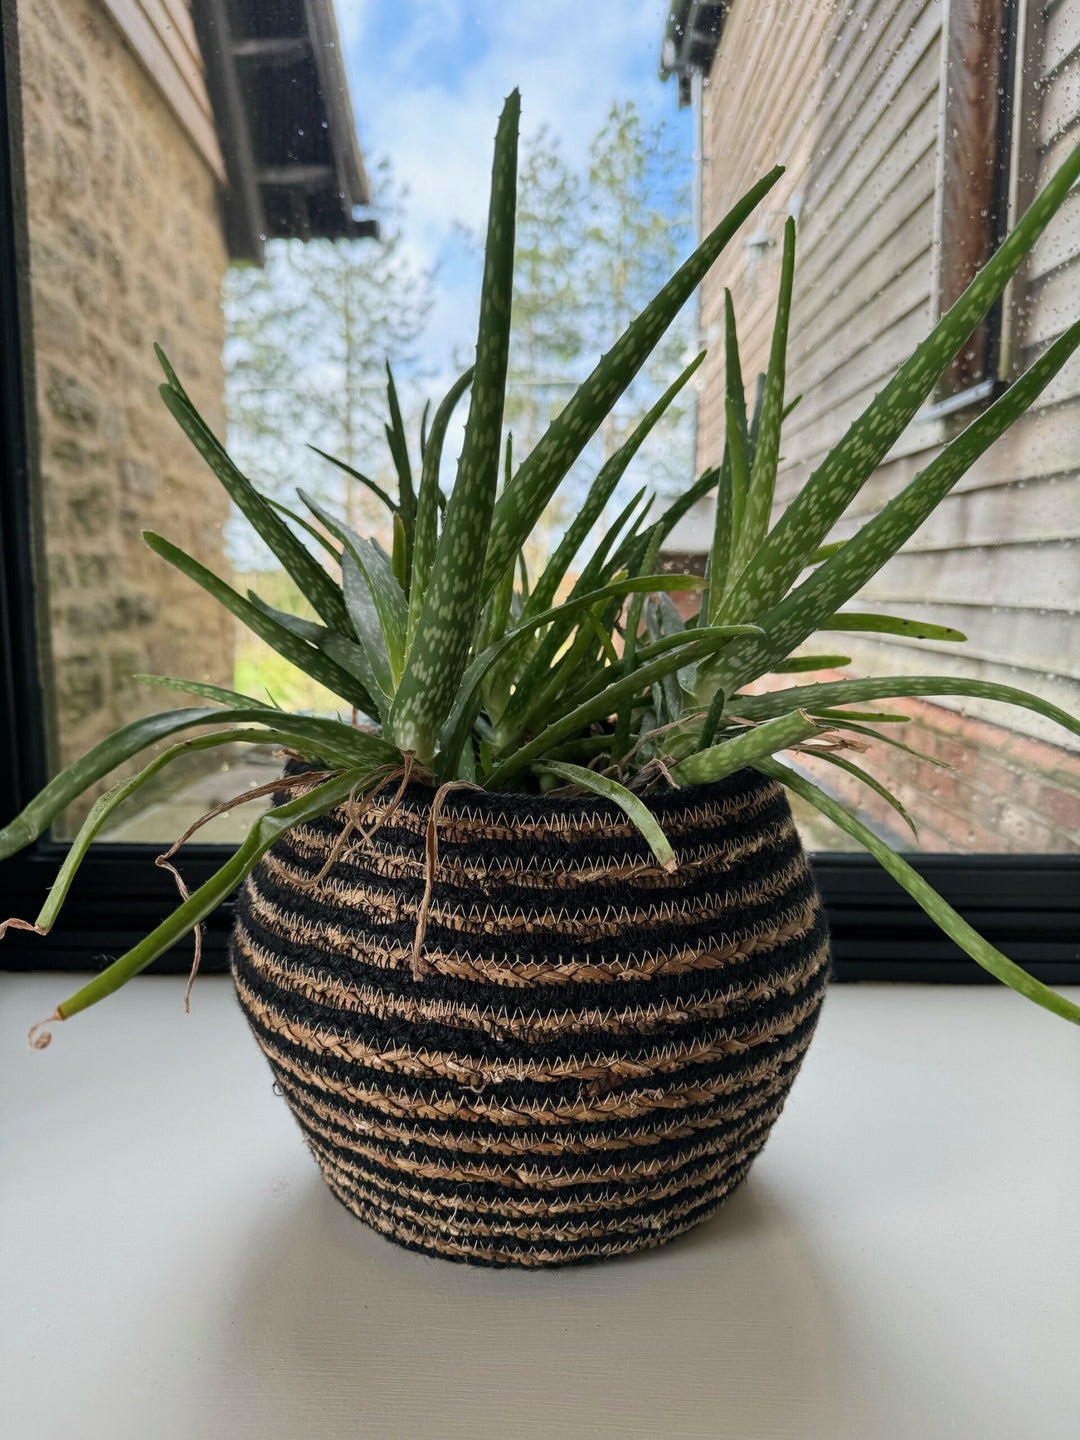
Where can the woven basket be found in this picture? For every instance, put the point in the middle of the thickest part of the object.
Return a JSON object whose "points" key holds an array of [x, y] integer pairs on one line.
{"points": [[597, 1048]]}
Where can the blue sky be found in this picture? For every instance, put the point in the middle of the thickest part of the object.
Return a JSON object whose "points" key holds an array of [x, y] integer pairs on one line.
{"points": [[428, 79]]}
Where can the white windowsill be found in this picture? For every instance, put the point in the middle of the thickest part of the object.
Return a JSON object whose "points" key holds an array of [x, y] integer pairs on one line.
{"points": [[902, 1263]]}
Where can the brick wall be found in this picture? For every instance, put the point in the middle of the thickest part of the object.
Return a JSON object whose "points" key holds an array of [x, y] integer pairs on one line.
{"points": [[125, 248], [1002, 791]]}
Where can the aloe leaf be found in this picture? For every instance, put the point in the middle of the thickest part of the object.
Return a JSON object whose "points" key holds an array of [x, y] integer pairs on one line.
{"points": [[306, 525], [93, 766], [730, 514], [600, 492], [878, 687], [501, 603], [540, 475], [799, 664], [444, 633], [705, 766], [377, 573], [427, 510], [459, 722], [667, 695], [603, 705], [860, 729], [842, 763], [399, 450], [852, 620], [823, 552], [734, 390], [170, 374], [295, 650], [367, 623], [558, 679], [217, 693], [601, 636], [761, 482], [621, 741], [269, 827], [788, 623], [631, 804], [366, 481], [839, 478], [314, 583], [705, 482], [939, 910], [666, 643], [711, 723], [719, 558], [354, 657], [326, 735], [755, 418], [106, 804], [309, 630]]}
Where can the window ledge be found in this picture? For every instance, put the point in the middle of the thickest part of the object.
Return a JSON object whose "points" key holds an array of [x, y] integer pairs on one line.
{"points": [[174, 1266], [974, 396]]}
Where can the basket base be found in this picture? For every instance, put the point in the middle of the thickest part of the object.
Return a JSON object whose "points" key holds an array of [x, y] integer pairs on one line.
{"points": [[445, 1245]]}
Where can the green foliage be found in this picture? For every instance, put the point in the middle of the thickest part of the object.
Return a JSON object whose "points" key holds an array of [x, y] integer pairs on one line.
{"points": [[595, 680]]}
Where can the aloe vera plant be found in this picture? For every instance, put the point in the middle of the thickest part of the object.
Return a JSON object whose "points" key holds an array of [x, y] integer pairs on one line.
{"points": [[464, 673]]}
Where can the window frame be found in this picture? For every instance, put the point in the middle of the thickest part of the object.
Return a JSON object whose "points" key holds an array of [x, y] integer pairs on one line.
{"points": [[1029, 905]]}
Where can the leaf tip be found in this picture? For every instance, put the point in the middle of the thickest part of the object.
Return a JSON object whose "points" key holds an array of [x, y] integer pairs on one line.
{"points": [[39, 1036]]}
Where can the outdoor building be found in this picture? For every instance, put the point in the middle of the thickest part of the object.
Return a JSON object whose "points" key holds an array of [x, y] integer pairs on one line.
{"points": [[913, 133], [162, 143]]}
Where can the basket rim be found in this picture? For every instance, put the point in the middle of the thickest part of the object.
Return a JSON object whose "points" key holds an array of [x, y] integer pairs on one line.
{"points": [[491, 805]]}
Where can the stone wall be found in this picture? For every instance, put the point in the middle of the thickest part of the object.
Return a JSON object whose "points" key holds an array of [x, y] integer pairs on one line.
{"points": [[126, 248]]}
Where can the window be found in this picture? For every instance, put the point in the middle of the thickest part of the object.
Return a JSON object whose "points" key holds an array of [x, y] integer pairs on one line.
{"points": [[982, 82], [197, 178], [913, 136]]}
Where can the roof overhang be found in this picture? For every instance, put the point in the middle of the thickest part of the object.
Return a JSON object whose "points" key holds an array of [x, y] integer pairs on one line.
{"points": [[691, 35], [276, 75]]}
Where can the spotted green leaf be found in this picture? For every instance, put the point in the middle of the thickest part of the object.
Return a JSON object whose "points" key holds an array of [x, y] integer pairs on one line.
{"points": [[541, 473], [838, 479], [427, 510], [943, 915], [626, 800], [440, 648], [304, 656]]}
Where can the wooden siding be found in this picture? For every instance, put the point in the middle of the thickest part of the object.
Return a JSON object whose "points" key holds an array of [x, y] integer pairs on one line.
{"points": [[849, 98], [162, 35]]}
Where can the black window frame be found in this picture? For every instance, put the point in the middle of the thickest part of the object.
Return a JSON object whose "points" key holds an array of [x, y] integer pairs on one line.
{"points": [[1028, 905]]}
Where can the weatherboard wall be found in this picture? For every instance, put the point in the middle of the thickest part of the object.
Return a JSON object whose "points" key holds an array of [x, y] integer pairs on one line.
{"points": [[850, 98]]}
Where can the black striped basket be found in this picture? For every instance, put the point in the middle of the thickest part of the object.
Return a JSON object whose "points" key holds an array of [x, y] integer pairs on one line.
{"points": [[595, 1050]]}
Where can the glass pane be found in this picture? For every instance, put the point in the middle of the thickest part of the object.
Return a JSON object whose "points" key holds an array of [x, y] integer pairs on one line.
{"points": [[287, 196]]}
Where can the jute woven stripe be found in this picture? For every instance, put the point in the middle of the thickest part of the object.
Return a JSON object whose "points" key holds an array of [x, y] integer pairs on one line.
{"points": [[592, 1050]]}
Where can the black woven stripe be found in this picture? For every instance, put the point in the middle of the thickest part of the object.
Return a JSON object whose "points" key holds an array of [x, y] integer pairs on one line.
{"points": [[688, 1151], [653, 1196], [567, 851], [591, 1131], [508, 1210], [522, 1255], [647, 1217], [478, 1048], [663, 936], [549, 1000], [488, 1229], [528, 1093]]}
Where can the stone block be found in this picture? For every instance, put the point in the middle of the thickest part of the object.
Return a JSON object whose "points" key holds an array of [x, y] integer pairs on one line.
{"points": [[71, 401]]}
